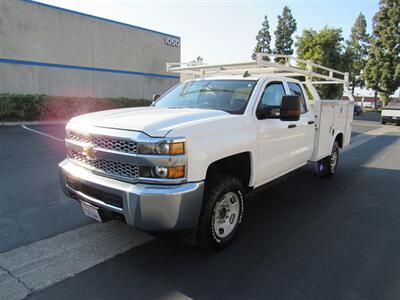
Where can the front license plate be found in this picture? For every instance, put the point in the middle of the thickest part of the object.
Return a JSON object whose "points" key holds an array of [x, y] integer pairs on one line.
{"points": [[91, 211], [394, 118]]}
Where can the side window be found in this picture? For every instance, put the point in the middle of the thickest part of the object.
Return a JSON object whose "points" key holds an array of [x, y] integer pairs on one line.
{"points": [[295, 89], [272, 95]]}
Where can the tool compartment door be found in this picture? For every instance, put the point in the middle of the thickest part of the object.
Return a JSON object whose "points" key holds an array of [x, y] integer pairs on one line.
{"points": [[333, 117], [325, 113]]}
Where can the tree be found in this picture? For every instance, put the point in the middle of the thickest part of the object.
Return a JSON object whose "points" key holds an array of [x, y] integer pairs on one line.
{"points": [[263, 39], [324, 48], [356, 53], [382, 72], [283, 34]]}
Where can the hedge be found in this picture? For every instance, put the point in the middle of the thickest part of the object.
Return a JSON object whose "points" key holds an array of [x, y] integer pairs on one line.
{"points": [[14, 107]]}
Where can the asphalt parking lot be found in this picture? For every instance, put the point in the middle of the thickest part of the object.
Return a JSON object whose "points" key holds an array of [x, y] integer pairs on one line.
{"points": [[303, 238], [32, 206], [365, 122]]}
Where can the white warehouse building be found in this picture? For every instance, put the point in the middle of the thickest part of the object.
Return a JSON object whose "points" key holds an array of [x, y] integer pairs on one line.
{"points": [[54, 51]]}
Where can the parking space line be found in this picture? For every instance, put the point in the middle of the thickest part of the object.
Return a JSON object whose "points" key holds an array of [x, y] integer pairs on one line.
{"points": [[42, 133], [34, 267]]}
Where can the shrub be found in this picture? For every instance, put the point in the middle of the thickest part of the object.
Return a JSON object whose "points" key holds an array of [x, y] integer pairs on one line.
{"points": [[14, 107]]}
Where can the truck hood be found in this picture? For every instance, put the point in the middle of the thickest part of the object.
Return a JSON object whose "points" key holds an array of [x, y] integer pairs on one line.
{"points": [[155, 122]]}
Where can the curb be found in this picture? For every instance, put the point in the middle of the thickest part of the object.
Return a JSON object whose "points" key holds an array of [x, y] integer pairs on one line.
{"points": [[20, 123]]}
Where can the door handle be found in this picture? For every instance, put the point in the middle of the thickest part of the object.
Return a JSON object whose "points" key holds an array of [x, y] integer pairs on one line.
{"points": [[310, 122], [292, 125]]}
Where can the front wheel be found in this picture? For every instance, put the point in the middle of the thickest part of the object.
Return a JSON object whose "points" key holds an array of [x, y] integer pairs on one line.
{"points": [[327, 166], [221, 214]]}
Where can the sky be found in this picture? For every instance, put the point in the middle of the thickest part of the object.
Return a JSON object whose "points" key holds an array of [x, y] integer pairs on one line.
{"points": [[223, 31]]}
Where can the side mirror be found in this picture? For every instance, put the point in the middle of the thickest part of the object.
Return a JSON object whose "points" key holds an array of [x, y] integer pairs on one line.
{"points": [[290, 108], [155, 97], [267, 112]]}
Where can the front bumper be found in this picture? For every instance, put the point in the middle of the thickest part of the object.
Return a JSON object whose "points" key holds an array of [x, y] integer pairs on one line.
{"points": [[389, 119], [145, 206]]}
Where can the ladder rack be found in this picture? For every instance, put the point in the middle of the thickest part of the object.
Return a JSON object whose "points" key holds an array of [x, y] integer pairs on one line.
{"points": [[285, 66]]}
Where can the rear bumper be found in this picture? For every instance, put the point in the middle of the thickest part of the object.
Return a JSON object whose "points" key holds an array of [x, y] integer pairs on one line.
{"points": [[390, 119], [145, 206]]}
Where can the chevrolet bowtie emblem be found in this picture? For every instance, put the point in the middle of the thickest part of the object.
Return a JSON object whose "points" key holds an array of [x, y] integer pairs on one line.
{"points": [[89, 152]]}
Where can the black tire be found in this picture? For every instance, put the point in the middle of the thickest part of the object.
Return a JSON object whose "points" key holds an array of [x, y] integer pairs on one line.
{"points": [[326, 167], [383, 122], [217, 187]]}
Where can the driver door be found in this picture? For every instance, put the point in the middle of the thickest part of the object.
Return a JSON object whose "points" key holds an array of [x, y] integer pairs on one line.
{"points": [[276, 139]]}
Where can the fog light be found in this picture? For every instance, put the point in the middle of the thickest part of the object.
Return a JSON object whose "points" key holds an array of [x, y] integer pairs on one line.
{"points": [[161, 172], [170, 172]]}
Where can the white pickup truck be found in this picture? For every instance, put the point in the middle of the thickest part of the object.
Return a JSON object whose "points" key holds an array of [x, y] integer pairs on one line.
{"points": [[186, 162], [391, 113]]}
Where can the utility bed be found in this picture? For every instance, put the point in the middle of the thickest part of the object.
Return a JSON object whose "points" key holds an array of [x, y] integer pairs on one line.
{"points": [[331, 116]]}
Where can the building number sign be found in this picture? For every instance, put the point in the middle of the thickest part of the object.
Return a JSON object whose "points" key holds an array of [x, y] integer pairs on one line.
{"points": [[170, 41]]}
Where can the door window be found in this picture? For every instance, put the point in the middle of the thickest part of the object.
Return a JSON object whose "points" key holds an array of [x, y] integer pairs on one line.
{"points": [[272, 98], [296, 90], [272, 95]]}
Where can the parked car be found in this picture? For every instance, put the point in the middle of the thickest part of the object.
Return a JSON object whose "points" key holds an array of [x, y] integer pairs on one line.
{"points": [[357, 110], [187, 162], [391, 113]]}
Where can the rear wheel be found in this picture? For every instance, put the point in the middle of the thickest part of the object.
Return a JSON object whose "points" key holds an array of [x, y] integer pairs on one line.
{"points": [[383, 122], [221, 214], [327, 166]]}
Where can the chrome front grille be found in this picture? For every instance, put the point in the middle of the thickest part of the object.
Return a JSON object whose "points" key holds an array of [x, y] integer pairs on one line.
{"points": [[82, 149], [109, 143], [115, 168]]}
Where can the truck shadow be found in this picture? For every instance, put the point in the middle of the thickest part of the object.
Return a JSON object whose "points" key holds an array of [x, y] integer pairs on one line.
{"points": [[304, 237]]}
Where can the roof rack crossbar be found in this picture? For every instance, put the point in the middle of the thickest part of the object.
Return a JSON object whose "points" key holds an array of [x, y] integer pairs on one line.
{"points": [[266, 64], [303, 62]]}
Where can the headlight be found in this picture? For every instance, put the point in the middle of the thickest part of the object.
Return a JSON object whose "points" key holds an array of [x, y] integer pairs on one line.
{"points": [[162, 148], [177, 148], [163, 169]]}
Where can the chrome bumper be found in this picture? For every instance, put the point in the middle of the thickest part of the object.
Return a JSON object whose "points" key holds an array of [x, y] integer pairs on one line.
{"points": [[145, 206]]}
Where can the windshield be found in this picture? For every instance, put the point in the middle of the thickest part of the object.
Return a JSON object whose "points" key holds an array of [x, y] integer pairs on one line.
{"points": [[228, 95]]}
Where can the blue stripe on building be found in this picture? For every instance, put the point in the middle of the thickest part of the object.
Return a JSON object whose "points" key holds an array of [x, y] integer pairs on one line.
{"points": [[71, 67], [97, 18]]}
